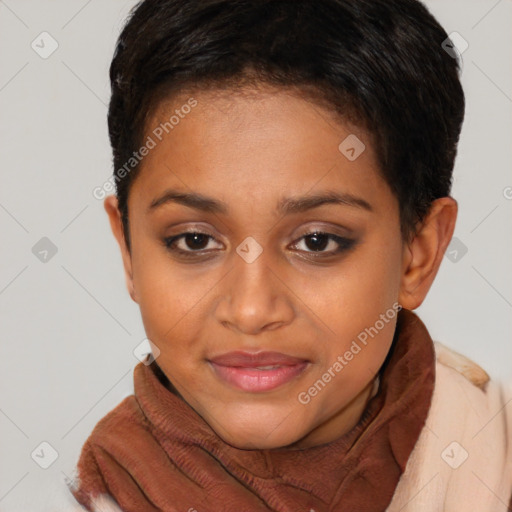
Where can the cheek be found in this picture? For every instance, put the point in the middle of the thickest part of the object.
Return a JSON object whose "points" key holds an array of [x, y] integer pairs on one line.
{"points": [[354, 358], [379, 271], [172, 306], [163, 291], [162, 299], [354, 295], [358, 316]]}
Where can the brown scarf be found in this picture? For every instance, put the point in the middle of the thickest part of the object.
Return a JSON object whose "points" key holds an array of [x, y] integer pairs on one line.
{"points": [[154, 452]]}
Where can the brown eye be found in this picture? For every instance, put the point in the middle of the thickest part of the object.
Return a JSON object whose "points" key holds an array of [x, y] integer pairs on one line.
{"points": [[318, 242], [195, 241], [188, 243]]}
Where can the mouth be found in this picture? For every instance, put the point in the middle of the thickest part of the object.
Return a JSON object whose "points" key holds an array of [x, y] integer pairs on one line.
{"points": [[257, 372]]}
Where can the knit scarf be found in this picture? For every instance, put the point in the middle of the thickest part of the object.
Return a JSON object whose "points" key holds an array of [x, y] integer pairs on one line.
{"points": [[153, 452]]}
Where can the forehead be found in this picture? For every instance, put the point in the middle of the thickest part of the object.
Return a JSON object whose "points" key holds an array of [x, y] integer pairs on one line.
{"points": [[256, 143]]}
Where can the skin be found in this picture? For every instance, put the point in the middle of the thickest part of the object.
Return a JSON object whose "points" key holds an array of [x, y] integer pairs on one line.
{"points": [[250, 151]]}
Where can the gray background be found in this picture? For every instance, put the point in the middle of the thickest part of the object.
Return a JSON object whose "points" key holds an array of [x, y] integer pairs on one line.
{"points": [[68, 326]]}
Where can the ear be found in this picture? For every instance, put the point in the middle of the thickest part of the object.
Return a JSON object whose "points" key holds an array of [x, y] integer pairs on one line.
{"points": [[111, 207], [423, 255]]}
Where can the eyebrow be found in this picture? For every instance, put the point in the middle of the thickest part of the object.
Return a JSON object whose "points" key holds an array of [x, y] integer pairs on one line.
{"points": [[287, 205]]}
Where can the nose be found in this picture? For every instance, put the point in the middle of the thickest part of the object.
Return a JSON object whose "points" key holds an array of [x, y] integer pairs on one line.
{"points": [[255, 296]]}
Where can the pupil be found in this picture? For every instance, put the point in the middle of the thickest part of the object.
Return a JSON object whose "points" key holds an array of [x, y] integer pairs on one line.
{"points": [[194, 239], [319, 241]]}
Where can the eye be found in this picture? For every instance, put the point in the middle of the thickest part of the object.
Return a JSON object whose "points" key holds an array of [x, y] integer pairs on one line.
{"points": [[188, 244], [316, 242]]}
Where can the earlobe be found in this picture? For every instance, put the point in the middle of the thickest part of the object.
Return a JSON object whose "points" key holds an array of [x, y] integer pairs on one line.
{"points": [[424, 254], [111, 207]]}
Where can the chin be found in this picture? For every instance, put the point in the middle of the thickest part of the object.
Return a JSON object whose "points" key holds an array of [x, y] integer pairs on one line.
{"points": [[262, 443], [259, 436]]}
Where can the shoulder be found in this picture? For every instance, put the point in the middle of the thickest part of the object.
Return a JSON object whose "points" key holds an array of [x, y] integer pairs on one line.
{"points": [[127, 409], [463, 457], [105, 449], [462, 365], [465, 392], [101, 503], [109, 435], [108, 442]]}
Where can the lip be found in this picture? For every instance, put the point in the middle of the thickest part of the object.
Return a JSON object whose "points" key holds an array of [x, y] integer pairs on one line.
{"points": [[246, 371]]}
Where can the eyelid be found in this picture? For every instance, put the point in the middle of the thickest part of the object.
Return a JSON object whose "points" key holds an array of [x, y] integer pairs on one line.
{"points": [[328, 230]]}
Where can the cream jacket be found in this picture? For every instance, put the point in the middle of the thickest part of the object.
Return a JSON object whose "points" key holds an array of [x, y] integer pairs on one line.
{"points": [[463, 458]]}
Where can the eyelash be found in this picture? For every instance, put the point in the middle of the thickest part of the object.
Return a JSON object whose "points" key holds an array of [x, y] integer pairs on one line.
{"points": [[344, 244]]}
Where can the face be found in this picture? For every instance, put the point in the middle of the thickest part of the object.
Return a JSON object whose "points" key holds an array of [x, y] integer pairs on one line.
{"points": [[260, 255]]}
